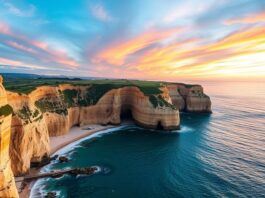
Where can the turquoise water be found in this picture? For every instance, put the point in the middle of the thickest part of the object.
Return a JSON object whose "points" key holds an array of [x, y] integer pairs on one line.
{"points": [[217, 155]]}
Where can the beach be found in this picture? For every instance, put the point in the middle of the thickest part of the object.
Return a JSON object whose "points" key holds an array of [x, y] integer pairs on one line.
{"points": [[57, 143]]}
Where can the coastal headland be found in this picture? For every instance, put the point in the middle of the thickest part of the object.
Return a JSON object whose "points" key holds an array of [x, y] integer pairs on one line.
{"points": [[32, 111]]}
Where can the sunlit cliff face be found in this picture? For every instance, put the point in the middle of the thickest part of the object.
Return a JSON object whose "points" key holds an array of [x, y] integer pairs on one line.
{"points": [[160, 40]]}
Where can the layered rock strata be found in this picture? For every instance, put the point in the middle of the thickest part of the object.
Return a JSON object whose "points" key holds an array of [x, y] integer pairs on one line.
{"points": [[53, 110], [190, 98], [7, 183]]}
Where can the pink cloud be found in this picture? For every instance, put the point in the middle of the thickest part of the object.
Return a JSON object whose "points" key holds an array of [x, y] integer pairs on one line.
{"points": [[4, 28], [5, 61], [117, 52], [249, 19], [20, 47], [38, 49]]}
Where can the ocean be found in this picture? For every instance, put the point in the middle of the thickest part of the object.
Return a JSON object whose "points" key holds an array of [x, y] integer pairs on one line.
{"points": [[217, 155]]}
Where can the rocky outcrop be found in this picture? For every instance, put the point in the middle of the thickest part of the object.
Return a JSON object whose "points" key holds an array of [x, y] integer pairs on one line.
{"points": [[30, 138], [129, 99], [7, 183], [190, 98], [53, 110]]}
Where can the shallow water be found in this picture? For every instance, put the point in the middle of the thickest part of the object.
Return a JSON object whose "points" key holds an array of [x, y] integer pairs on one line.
{"points": [[218, 155]]}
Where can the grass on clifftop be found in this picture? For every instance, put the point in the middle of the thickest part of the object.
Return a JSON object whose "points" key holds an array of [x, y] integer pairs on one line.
{"points": [[97, 88], [22, 85]]}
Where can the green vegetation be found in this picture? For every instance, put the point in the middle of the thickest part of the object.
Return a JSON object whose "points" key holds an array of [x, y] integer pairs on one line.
{"points": [[25, 113], [6, 110], [27, 85], [39, 118], [159, 101], [36, 113], [198, 93], [46, 105], [96, 89], [69, 95]]}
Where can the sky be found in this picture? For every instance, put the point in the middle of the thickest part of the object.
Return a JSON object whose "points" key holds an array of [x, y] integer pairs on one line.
{"points": [[139, 39]]}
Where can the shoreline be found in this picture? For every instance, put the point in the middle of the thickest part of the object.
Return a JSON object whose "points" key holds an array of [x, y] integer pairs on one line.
{"points": [[57, 143]]}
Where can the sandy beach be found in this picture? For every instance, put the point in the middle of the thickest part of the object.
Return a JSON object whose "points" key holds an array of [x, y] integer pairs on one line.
{"points": [[57, 143]]}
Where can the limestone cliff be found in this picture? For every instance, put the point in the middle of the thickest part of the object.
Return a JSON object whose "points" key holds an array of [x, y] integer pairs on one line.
{"points": [[30, 138], [190, 98], [53, 110], [7, 183]]}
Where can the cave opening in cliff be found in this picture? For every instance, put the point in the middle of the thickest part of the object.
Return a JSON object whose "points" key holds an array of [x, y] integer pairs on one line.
{"points": [[159, 126], [126, 113]]}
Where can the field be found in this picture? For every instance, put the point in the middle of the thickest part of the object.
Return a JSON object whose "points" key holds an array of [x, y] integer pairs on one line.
{"points": [[27, 85]]}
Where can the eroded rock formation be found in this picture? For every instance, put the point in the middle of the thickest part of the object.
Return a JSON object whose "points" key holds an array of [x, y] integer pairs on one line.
{"points": [[190, 98], [7, 183], [53, 110]]}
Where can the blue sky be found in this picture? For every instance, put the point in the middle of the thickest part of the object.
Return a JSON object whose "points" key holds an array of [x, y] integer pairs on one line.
{"points": [[132, 38]]}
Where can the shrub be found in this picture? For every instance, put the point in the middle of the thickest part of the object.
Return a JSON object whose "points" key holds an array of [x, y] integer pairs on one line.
{"points": [[6, 110]]}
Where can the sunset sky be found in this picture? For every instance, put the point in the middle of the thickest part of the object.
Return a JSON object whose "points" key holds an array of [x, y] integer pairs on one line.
{"points": [[144, 39]]}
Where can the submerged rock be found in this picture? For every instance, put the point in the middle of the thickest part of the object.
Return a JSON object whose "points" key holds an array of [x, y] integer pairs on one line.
{"points": [[50, 195], [63, 159], [44, 161], [86, 171]]}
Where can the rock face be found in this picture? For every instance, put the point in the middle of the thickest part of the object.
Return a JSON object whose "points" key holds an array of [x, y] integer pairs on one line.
{"points": [[7, 183], [47, 111], [129, 99], [53, 110], [190, 98], [30, 138]]}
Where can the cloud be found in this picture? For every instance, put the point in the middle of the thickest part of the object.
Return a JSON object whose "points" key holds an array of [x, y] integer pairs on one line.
{"points": [[118, 37], [28, 12], [186, 10], [117, 52], [248, 19], [99, 12], [39, 50], [4, 28], [14, 63], [210, 59], [189, 57]]}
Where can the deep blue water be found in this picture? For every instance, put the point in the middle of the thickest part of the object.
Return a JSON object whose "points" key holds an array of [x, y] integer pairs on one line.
{"points": [[217, 155]]}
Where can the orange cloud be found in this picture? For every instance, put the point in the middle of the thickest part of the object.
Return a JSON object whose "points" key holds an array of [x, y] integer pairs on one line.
{"points": [[242, 38], [118, 52], [253, 18], [241, 53], [190, 59]]}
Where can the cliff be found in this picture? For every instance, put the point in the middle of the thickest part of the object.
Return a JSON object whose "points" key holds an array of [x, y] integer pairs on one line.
{"points": [[189, 98], [7, 183], [52, 110]]}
